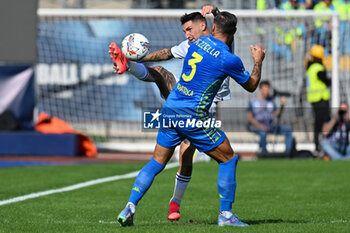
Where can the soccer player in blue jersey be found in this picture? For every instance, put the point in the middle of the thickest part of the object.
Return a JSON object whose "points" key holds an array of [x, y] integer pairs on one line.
{"points": [[206, 64], [194, 26]]}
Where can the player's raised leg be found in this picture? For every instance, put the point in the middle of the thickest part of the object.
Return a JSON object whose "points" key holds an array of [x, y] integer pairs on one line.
{"points": [[182, 179], [224, 155], [143, 182], [164, 79], [118, 58]]}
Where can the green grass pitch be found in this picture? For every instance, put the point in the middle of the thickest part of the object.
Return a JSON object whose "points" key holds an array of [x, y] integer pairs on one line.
{"points": [[272, 196]]}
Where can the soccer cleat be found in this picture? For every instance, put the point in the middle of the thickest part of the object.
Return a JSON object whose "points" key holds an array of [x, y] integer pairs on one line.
{"points": [[118, 58], [125, 218], [233, 221], [174, 212]]}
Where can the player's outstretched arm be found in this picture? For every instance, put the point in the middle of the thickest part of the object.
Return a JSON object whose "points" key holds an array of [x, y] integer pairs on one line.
{"points": [[258, 55], [160, 55]]}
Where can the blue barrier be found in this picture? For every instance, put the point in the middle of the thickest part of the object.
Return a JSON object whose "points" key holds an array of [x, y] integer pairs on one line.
{"points": [[38, 144]]}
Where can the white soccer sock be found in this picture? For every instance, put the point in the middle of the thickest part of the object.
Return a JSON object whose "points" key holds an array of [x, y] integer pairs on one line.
{"points": [[131, 206], [139, 70], [181, 183], [226, 214]]}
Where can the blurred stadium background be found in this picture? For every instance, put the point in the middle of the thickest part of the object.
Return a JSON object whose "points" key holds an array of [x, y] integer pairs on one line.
{"points": [[74, 78], [54, 58]]}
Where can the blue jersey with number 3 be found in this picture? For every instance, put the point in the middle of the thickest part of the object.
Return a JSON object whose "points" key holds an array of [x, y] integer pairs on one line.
{"points": [[207, 63]]}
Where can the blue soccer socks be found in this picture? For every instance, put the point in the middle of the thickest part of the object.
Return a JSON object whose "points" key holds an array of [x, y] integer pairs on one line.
{"points": [[139, 70], [144, 180], [227, 183]]}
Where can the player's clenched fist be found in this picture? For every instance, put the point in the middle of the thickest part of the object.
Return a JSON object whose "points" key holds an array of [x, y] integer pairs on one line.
{"points": [[207, 9], [258, 53]]}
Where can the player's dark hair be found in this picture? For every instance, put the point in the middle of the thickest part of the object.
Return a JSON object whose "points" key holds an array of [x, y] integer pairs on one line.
{"points": [[226, 23], [265, 82], [194, 16]]}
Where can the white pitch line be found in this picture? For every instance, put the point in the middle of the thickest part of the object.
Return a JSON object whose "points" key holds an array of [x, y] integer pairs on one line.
{"points": [[78, 186]]}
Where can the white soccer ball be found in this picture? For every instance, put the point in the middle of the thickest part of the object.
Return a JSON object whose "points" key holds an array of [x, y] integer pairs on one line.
{"points": [[135, 46]]}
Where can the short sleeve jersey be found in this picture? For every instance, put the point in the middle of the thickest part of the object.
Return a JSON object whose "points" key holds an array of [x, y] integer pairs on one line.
{"points": [[179, 51], [207, 63]]}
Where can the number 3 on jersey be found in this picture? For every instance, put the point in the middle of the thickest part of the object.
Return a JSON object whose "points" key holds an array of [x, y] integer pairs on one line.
{"points": [[192, 62]]}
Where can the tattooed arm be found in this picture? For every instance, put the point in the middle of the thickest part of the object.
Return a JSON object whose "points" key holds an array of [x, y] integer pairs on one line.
{"points": [[160, 55], [258, 55]]}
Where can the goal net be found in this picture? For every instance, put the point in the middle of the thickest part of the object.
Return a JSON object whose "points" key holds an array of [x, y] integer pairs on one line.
{"points": [[75, 79]]}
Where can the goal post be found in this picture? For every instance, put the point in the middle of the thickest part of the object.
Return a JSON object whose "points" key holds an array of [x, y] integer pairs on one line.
{"points": [[75, 79]]}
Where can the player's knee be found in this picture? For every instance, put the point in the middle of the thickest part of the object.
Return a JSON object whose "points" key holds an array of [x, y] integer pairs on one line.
{"points": [[158, 74], [159, 69], [224, 156], [228, 155], [222, 153]]}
